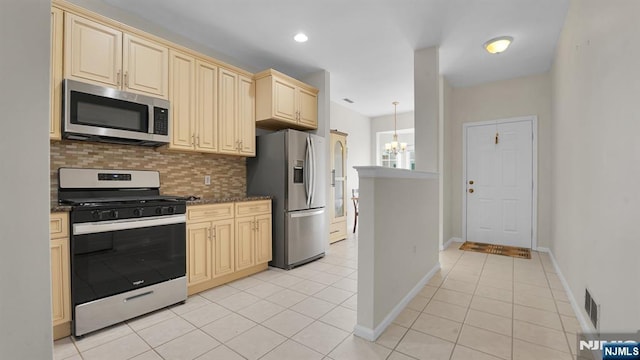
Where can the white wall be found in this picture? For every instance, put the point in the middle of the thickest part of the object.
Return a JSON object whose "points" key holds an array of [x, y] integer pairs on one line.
{"points": [[358, 127], [426, 83], [447, 182], [25, 293], [596, 158], [394, 255], [529, 95]]}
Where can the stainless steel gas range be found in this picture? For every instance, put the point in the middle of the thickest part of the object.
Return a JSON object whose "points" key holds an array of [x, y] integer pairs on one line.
{"points": [[128, 243]]}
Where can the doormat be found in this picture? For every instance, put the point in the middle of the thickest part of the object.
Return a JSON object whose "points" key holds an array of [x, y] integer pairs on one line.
{"points": [[517, 252]]}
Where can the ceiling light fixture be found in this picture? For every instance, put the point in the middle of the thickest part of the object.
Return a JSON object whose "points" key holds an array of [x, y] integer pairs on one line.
{"points": [[394, 147], [498, 45], [300, 37]]}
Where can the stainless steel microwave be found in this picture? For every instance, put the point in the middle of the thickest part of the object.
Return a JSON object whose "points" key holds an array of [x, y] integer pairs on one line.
{"points": [[104, 114]]}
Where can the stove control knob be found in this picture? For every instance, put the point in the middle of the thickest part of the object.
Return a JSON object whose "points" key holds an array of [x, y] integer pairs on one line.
{"points": [[96, 214], [138, 212], [114, 214], [171, 209], [159, 210]]}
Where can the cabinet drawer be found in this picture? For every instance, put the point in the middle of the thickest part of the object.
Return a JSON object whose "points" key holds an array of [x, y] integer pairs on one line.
{"points": [[253, 207], [59, 225], [210, 212]]}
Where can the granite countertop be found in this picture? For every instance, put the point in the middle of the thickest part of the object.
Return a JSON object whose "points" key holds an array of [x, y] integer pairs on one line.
{"points": [[55, 207], [205, 201]]}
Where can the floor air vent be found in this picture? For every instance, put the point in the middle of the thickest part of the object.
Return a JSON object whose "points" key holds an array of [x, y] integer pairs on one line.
{"points": [[592, 308]]}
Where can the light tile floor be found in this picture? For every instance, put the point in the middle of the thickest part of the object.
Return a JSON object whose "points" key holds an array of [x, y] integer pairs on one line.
{"points": [[478, 306]]}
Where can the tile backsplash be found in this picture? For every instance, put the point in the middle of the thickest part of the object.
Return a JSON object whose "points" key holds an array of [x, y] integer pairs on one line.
{"points": [[180, 173]]}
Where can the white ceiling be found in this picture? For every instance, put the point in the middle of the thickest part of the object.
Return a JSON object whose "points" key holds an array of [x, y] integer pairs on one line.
{"points": [[367, 45]]}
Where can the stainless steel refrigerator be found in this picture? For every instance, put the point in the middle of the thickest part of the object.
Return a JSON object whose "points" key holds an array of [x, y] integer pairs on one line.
{"points": [[290, 166]]}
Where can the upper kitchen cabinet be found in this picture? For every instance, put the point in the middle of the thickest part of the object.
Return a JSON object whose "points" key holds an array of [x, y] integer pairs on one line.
{"points": [[104, 55], [57, 29], [236, 101], [284, 102], [182, 96]]}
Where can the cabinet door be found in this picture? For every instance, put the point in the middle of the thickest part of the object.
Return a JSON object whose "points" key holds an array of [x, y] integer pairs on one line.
{"points": [[60, 291], [56, 73], [223, 260], [228, 111], [199, 253], [92, 51], [284, 100], [263, 239], [244, 243], [247, 116], [146, 69], [182, 98], [206, 107], [308, 108]]}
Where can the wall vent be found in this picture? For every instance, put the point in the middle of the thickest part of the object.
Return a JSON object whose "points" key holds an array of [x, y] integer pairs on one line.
{"points": [[348, 100], [592, 309]]}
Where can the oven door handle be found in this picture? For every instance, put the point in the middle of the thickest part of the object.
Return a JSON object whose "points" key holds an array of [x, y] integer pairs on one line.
{"points": [[126, 224]]}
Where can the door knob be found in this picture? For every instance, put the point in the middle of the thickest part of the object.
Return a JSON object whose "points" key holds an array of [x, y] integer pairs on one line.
{"points": [[471, 191]]}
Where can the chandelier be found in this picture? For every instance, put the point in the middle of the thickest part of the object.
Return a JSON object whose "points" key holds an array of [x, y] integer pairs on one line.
{"points": [[394, 147]]}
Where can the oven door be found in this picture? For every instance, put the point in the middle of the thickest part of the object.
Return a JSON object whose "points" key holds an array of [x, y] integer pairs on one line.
{"points": [[113, 257]]}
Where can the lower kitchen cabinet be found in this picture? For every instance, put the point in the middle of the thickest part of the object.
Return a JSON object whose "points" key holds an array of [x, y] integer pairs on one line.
{"points": [[263, 239], [200, 253], [60, 286], [245, 242], [226, 242], [223, 248]]}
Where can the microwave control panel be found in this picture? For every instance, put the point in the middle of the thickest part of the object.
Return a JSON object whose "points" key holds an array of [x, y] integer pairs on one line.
{"points": [[160, 121]]}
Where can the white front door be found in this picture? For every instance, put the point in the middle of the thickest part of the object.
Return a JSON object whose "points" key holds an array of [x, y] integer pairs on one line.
{"points": [[499, 183]]}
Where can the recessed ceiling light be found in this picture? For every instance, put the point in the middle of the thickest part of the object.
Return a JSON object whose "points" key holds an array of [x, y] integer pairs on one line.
{"points": [[498, 45], [300, 37]]}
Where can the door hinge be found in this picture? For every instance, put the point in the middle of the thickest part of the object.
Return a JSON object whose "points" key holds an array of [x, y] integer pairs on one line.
{"points": [[497, 138]]}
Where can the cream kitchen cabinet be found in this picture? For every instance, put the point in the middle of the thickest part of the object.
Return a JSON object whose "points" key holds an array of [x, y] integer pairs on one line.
{"points": [[210, 243], [57, 30], [284, 102], [253, 226], [226, 242], [236, 101], [60, 282], [103, 55], [193, 97]]}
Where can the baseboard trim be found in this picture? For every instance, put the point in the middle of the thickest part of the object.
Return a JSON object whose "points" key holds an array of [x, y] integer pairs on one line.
{"points": [[450, 241], [372, 334], [586, 327]]}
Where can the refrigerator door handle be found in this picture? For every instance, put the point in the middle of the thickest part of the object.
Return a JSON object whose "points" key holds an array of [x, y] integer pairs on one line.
{"points": [[313, 170], [307, 170]]}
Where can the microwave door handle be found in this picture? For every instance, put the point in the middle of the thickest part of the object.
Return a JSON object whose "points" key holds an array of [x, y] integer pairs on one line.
{"points": [[152, 120]]}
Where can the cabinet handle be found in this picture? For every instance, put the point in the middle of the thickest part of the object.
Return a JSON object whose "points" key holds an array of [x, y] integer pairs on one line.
{"points": [[126, 79], [193, 139], [255, 225], [240, 146], [118, 77], [213, 232], [209, 233], [198, 140]]}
